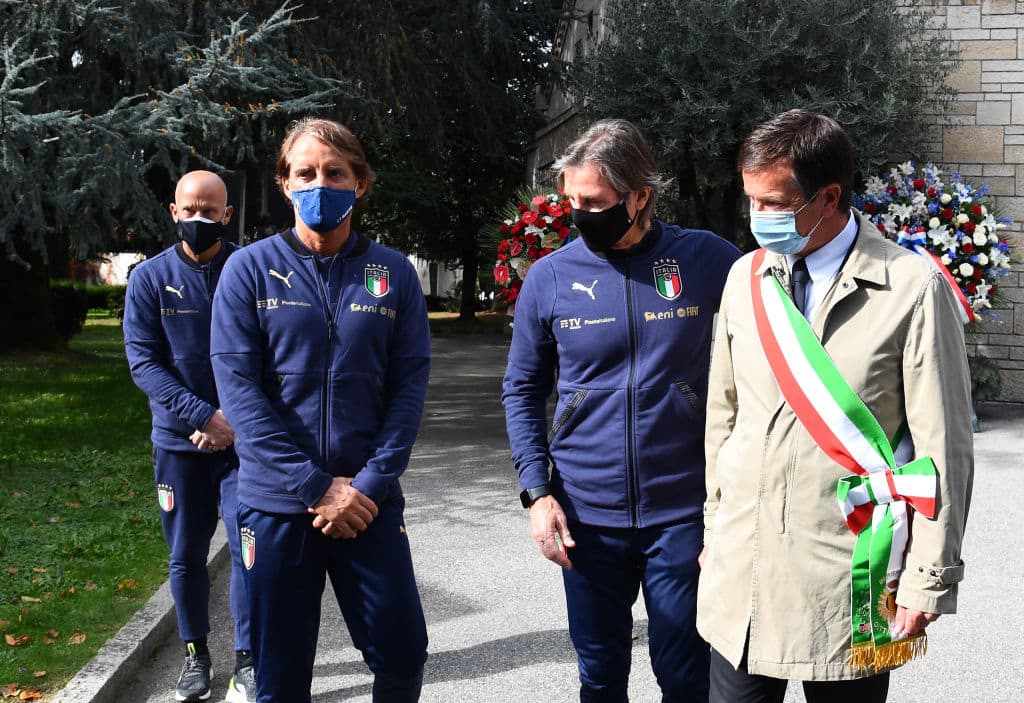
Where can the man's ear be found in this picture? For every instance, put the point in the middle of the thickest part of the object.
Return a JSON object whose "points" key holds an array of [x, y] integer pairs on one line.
{"points": [[228, 212], [831, 194], [174, 211]]}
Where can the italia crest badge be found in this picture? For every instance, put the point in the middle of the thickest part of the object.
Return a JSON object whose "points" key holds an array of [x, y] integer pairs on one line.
{"points": [[666, 279], [377, 281], [165, 496], [248, 540]]}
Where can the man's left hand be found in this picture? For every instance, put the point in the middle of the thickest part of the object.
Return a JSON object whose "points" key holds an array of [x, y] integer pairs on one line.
{"points": [[912, 621]]}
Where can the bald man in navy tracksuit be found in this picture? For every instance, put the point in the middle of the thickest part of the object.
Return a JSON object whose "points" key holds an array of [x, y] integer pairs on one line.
{"points": [[167, 341]]}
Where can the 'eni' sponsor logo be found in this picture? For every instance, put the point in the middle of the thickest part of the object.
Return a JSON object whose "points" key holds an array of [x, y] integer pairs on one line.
{"points": [[678, 313], [390, 313]]}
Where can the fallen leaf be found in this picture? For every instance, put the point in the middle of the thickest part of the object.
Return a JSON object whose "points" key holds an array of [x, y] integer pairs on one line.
{"points": [[17, 494], [73, 504], [68, 592], [39, 674], [30, 695], [12, 570], [53, 633], [90, 586], [127, 583], [48, 641], [76, 638], [30, 599], [37, 579], [39, 569], [10, 690], [17, 641]]}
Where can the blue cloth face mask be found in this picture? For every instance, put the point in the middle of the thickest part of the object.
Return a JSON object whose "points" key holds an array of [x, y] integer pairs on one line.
{"points": [[776, 231], [323, 208]]}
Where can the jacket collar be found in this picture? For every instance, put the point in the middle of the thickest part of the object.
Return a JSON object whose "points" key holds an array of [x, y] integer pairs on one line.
{"points": [[292, 240], [865, 263], [217, 261]]}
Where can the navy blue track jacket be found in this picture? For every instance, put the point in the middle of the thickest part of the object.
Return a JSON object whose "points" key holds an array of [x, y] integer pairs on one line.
{"points": [[167, 341], [318, 388], [630, 336]]}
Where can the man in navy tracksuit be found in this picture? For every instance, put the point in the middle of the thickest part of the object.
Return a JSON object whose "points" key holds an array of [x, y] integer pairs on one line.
{"points": [[167, 340], [624, 315], [321, 350]]}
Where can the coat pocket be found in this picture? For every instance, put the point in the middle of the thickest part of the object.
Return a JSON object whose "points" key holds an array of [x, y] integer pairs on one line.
{"points": [[567, 412]]}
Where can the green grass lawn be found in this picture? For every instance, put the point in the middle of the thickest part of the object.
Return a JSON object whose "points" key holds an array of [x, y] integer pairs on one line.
{"points": [[80, 542]]}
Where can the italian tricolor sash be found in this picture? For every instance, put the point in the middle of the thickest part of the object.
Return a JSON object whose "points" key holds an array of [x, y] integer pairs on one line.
{"points": [[874, 500]]}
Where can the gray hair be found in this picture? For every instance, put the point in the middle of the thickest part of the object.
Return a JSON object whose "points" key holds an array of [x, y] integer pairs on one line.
{"points": [[622, 157]]}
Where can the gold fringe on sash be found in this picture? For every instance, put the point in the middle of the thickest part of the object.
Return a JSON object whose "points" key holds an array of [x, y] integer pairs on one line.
{"points": [[893, 654]]}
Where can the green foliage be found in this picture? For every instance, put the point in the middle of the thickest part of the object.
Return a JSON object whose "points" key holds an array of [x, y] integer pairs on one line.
{"points": [[70, 305], [452, 151], [104, 105], [109, 298], [986, 383], [84, 549], [697, 75]]}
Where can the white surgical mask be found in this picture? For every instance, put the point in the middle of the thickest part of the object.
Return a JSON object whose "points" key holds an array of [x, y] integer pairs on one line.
{"points": [[776, 231]]}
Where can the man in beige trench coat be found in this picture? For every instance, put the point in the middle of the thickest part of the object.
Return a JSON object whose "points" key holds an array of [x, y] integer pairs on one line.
{"points": [[775, 592]]}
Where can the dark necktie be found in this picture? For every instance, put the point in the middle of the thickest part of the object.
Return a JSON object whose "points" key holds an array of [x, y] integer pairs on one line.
{"points": [[801, 277]]}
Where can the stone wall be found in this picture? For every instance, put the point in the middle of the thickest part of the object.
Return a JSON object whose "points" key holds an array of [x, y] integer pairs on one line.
{"points": [[984, 140]]}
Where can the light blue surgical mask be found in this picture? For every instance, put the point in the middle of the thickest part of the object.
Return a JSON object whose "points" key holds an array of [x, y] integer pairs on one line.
{"points": [[776, 231]]}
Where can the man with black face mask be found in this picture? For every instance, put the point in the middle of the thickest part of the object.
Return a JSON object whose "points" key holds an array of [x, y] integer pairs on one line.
{"points": [[167, 340], [625, 317]]}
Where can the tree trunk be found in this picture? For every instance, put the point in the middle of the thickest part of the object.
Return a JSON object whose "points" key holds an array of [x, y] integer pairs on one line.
{"points": [[26, 312], [470, 260]]}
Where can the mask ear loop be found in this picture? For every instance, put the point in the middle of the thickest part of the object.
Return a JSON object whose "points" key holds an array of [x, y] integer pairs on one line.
{"points": [[799, 209]]}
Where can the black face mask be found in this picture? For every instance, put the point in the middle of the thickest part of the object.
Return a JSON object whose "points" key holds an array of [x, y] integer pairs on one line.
{"points": [[200, 234], [603, 229]]}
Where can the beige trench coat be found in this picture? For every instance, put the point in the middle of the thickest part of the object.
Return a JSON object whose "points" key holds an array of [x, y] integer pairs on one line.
{"points": [[778, 562]]}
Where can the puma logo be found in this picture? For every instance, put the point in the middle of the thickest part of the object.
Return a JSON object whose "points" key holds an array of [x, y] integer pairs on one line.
{"points": [[589, 290], [176, 291], [284, 279]]}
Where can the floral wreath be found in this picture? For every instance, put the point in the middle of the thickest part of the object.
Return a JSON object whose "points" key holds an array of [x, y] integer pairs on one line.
{"points": [[534, 226], [918, 209]]}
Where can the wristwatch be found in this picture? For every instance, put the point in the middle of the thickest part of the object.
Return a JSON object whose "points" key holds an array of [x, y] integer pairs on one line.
{"points": [[530, 495]]}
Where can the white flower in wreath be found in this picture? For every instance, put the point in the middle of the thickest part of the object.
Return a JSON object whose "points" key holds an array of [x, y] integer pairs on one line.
{"points": [[875, 186], [962, 218], [906, 168], [982, 260], [945, 198], [889, 222], [933, 224], [946, 261], [920, 202], [902, 212], [966, 270], [534, 229], [942, 237], [980, 239]]}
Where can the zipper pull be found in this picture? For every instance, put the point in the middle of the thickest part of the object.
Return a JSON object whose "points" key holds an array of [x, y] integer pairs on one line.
{"points": [[330, 330]]}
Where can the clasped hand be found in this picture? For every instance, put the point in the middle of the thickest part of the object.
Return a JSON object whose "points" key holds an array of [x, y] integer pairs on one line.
{"points": [[216, 436], [343, 512]]}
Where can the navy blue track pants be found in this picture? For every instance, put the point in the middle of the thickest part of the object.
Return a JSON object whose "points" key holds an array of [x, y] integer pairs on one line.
{"points": [[373, 581], [610, 566], [190, 488]]}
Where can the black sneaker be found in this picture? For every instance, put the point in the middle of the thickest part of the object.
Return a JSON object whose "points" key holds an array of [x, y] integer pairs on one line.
{"points": [[194, 682], [242, 687]]}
